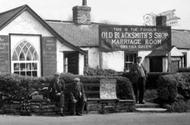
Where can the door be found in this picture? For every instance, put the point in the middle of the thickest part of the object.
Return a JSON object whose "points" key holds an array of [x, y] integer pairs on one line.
{"points": [[71, 62], [175, 66], [155, 64]]}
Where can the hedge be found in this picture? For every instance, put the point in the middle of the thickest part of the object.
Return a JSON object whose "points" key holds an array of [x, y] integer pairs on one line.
{"points": [[14, 87], [174, 90], [152, 78]]}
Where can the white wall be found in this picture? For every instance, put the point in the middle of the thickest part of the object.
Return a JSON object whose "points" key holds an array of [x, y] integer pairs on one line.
{"points": [[145, 60], [93, 56], [113, 60], [60, 56], [188, 55], [81, 64], [25, 24]]}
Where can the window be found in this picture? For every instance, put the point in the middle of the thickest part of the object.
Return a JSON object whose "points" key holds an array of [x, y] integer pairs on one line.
{"points": [[25, 60], [130, 58]]}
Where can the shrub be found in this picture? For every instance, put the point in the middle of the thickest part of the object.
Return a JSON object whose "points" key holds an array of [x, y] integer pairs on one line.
{"points": [[167, 90], [178, 106], [123, 86], [99, 72], [184, 69], [152, 79], [174, 90]]}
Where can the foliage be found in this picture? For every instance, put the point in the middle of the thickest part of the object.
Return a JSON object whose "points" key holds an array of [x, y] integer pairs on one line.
{"points": [[99, 72], [184, 69], [167, 90], [174, 91], [177, 106]]}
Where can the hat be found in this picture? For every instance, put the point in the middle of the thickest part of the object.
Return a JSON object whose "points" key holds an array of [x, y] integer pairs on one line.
{"points": [[56, 74], [77, 79], [139, 57]]}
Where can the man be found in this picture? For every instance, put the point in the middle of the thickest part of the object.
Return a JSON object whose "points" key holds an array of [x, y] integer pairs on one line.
{"points": [[56, 90], [138, 78], [78, 98]]}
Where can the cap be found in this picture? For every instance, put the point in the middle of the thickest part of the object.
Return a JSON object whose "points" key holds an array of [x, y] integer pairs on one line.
{"points": [[139, 57], [56, 74], [77, 79]]}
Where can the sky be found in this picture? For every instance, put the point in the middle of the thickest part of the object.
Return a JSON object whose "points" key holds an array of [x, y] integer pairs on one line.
{"points": [[122, 12]]}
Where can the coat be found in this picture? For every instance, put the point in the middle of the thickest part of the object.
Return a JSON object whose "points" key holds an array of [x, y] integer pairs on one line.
{"points": [[56, 90], [135, 73], [77, 92]]}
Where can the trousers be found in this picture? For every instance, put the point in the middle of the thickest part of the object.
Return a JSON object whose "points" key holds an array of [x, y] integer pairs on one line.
{"points": [[139, 89]]}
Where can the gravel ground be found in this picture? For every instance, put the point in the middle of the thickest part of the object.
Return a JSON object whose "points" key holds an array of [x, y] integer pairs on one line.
{"points": [[98, 119]]}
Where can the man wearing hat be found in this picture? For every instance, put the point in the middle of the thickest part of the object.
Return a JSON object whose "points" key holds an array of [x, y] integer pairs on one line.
{"points": [[56, 90], [138, 78], [77, 97]]}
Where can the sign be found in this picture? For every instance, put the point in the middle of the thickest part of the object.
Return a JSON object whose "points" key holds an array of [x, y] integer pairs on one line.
{"points": [[171, 18], [108, 89], [134, 38]]}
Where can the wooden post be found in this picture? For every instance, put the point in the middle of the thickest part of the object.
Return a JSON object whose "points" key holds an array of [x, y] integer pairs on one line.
{"points": [[161, 21]]}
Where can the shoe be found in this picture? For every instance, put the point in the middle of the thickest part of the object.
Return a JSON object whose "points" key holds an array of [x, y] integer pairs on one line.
{"points": [[79, 114], [142, 102], [61, 114]]}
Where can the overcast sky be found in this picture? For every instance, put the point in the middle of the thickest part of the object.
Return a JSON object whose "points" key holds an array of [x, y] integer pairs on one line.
{"points": [[125, 12]]}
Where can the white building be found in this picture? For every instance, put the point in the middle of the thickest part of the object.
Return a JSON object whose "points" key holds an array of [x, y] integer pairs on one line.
{"points": [[32, 46]]}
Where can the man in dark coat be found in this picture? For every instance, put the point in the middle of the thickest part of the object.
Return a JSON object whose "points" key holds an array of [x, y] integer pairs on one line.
{"points": [[138, 78], [77, 97], [56, 90]]}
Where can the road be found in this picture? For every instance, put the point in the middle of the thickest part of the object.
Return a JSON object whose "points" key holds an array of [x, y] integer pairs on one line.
{"points": [[101, 119]]}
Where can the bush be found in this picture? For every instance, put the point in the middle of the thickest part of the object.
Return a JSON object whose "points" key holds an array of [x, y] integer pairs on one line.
{"points": [[174, 90], [14, 86], [167, 90], [177, 106], [99, 72], [152, 79], [184, 69], [123, 86]]}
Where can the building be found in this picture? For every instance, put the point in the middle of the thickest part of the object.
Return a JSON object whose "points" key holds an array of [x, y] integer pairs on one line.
{"points": [[29, 46], [32, 46], [85, 34]]}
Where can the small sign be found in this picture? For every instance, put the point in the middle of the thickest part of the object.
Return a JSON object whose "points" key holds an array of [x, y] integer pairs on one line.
{"points": [[108, 89]]}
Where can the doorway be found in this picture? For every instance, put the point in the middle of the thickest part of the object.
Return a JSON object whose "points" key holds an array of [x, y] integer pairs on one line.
{"points": [[155, 64], [71, 62]]}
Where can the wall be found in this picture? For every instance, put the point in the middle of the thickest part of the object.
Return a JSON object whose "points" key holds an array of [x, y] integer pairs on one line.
{"points": [[25, 24], [60, 56], [93, 56], [81, 64], [113, 60], [145, 60], [188, 55]]}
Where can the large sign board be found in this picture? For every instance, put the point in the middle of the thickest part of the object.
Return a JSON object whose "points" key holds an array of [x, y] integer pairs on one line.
{"points": [[108, 89], [134, 38]]}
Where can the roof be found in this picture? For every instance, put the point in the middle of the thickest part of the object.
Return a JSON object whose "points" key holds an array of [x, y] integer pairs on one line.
{"points": [[7, 16], [157, 53], [76, 36], [79, 35], [87, 35], [10, 15], [181, 38]]}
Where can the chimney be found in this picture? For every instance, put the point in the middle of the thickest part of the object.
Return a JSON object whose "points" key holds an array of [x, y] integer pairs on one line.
{"points": [[84, 2], [161, 21], [81, 14]]}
